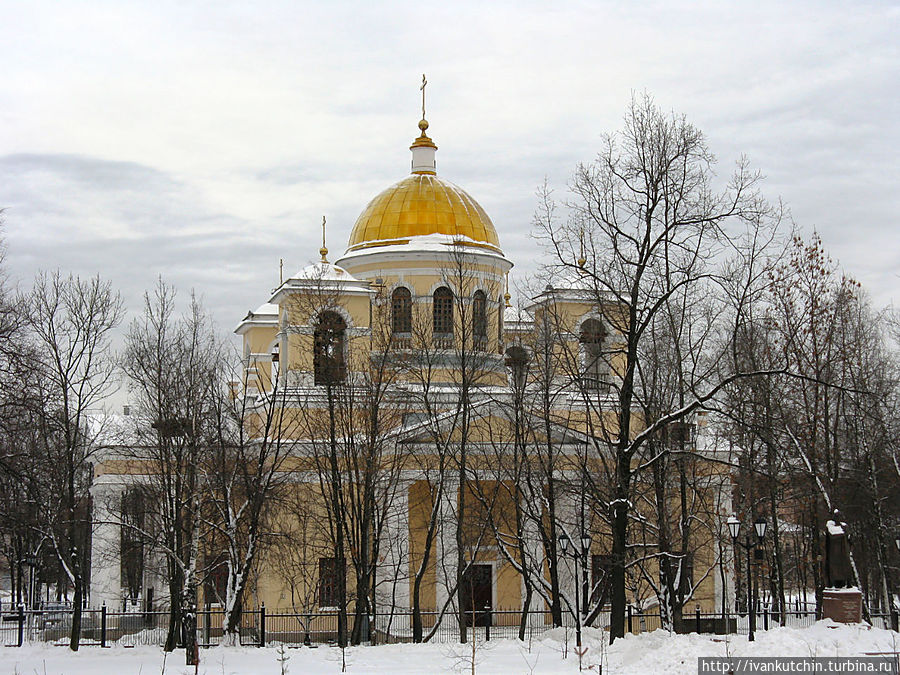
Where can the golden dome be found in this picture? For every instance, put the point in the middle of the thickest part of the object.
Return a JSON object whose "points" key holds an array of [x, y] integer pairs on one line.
{"points": [[422, 204]]}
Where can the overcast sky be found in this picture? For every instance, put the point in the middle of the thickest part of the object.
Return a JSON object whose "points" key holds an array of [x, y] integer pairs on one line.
{"points": [[204, 141]]}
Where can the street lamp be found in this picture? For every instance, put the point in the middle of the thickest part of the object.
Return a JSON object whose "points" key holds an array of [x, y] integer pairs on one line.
{"points": [[760, 526], [564, 542], [735, 526]]}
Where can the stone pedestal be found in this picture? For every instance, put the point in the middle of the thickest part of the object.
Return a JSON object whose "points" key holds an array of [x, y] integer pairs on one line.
{"points": [[843, 605]]}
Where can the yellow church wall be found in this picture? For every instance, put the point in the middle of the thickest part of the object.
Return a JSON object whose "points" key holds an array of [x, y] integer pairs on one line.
{"points": [[258, 341], [420, 505], [489, 436]]}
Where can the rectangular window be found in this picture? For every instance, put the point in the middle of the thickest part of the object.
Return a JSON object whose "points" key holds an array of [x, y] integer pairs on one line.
{"points": [[681, 433], [329, 582]]}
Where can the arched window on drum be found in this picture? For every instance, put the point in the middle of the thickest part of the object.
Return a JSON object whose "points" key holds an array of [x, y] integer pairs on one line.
{"points": [[595, 367], [401, 316], [479, 321], [442, 316]]}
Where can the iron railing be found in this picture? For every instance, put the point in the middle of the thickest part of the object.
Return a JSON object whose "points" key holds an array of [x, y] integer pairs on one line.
{"points": [[261, 627]]}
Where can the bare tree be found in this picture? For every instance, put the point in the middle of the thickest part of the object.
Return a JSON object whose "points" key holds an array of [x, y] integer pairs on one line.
{"points": [[649, 225], [70, 320], [243, 476], [344, 416], [172, 364]]}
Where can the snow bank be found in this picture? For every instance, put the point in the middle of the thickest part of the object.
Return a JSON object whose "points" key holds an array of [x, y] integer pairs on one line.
{"points": [[658, 652]]}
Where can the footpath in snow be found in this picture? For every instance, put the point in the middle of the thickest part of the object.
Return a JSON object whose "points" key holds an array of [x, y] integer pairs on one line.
{"points": [[656, 653]]}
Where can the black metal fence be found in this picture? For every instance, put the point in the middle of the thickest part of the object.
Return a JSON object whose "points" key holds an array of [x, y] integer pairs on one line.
{"points": [[261, 627]]}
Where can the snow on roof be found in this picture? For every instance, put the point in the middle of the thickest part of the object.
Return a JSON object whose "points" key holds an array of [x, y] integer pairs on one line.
{"points": [[431, 243], [111, 429], [265, 314], [517, 315], [266, 309], [323, 271]]}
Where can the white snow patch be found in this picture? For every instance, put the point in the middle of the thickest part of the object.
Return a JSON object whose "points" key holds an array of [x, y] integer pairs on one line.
{"points": [[659, 652]]}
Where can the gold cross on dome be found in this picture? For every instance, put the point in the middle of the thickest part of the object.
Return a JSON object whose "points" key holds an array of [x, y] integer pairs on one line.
{"points": [[422, 88]]}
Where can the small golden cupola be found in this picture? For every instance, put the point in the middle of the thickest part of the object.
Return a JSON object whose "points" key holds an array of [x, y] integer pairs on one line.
{"points": [[423, 204]]}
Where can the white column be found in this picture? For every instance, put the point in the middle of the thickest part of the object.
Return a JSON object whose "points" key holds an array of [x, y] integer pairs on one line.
{"points": [[106, 570], [445, 553], [534, 560], [568, 514], [392, 575], [725, 509]]}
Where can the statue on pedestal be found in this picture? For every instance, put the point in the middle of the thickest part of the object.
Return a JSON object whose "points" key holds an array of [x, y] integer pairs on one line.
{"points": [[838, 571]]}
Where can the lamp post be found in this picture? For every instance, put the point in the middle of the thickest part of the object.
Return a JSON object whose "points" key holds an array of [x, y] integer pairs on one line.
{"points": [[895, 619], [564, 541], [31, 561], [760, 525]]}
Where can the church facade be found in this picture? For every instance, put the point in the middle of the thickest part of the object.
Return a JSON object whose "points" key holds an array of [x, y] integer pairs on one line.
{"points": [[441, 445]]}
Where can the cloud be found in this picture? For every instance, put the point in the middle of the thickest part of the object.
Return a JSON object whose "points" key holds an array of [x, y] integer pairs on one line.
{"points": [[206, 144]]}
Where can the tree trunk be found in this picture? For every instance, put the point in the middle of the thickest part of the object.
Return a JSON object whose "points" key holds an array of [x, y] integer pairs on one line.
{"points": [[189, 626], [77, 601], [173, 636], [526, 605], [619, 521]]}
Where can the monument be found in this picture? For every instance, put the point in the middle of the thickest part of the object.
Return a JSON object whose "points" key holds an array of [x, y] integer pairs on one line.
{"points": [[841, 600]]}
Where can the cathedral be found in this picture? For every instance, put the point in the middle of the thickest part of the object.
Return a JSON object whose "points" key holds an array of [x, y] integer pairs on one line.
{"points": [[436, 439]]}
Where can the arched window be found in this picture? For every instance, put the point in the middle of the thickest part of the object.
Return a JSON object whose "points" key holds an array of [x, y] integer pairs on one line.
{"points": [[442, 312], [328, 349], [479, 320], [595, 368], [401, 311], [517, 363]]}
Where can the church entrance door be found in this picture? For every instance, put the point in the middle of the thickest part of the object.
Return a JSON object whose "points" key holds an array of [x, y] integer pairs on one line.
{"points": [[478, 593]]}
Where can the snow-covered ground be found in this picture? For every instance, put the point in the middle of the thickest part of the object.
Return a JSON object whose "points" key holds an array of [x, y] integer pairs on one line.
{"points": [[657, 653]]}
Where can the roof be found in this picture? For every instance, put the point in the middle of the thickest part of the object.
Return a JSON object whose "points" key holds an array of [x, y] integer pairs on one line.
{"points": [[323, 271], [516, 316], [264, 315], [422, 204]]}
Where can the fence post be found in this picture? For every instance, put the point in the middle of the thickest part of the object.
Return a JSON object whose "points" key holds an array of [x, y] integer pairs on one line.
{"points": [[103, 625], [206, 622], [895, 619], [21, 619], [630, 625], [765, 616], [262, 625], [697, 619]]}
